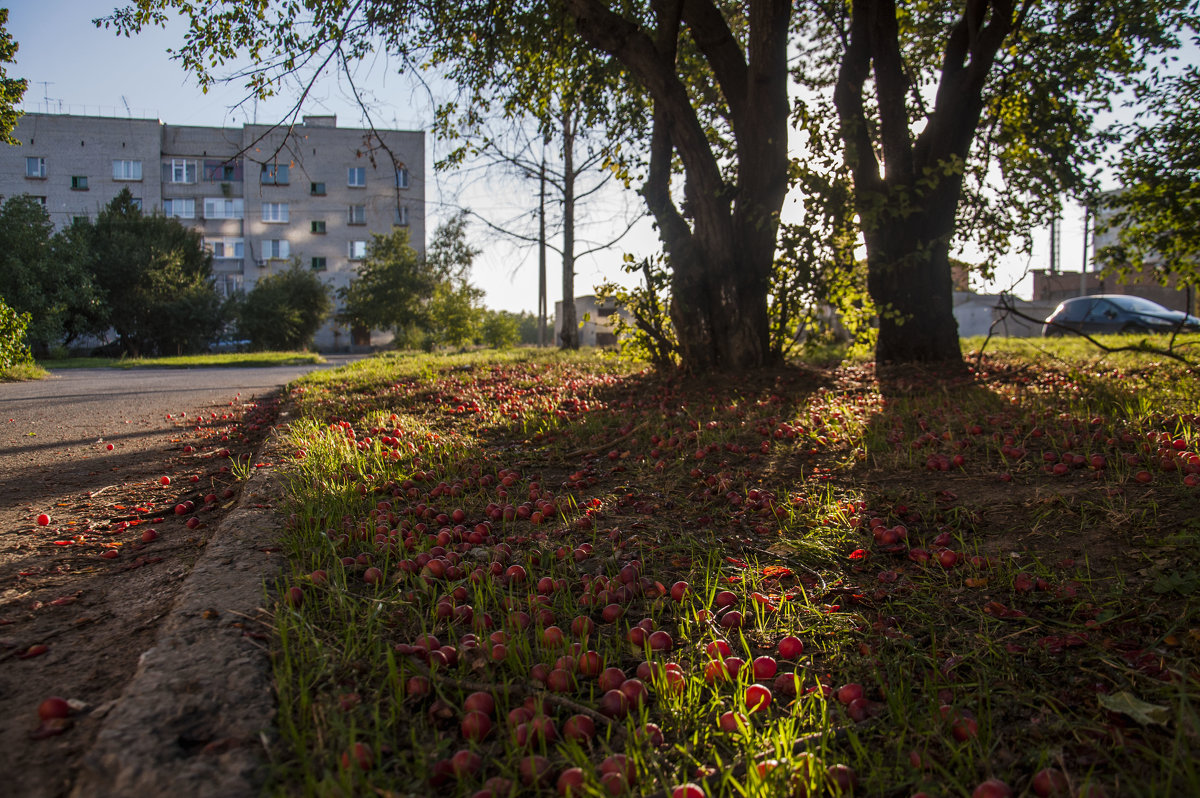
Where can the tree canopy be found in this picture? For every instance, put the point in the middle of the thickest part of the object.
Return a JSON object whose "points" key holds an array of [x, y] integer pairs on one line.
{"points": [[284, 310], [1156, 212], [11, 89], [155, 276], [955, 120]]}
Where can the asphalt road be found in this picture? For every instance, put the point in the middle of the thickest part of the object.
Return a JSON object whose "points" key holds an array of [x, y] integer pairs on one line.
{"points": [[67, 415]]}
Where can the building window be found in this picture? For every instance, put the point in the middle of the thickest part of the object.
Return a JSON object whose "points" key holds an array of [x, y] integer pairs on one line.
{"points": [[358, 214], [221, 171], [180, 208], [276, 248], [318, 264], [39, 200], [401, 218], [226, 247], [275, 212], [127, 170], [219, 208], [79, 219], [358, 250], [402, 177], [275, 174], [317, 190], [79, 183], [183, 171], [35, 168], [137, 203], [357, 177], [318, 226]]}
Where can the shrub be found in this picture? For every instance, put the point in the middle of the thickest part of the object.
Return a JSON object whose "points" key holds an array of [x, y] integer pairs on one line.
{"points": [[285, 310], [13, 349]]}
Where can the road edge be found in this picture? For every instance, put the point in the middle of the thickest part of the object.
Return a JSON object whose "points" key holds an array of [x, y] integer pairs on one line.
{"points": [[198, 716]]}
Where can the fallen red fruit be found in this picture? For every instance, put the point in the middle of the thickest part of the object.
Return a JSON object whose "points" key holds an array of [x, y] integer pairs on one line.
{"points": [[790, 647], [1049, 782], [54, 707], [164, 481], [758, 697], [360, 755], [992, 788], [149, 535], [689, 790], [43, 520]]}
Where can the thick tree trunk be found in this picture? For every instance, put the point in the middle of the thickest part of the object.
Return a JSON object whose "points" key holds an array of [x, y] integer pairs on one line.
{"points": [[908, 276], [569, 337], [721, 253], [719, 304]]}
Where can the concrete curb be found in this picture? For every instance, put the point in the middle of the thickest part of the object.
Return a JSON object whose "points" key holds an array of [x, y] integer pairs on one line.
{"points": [[197, 719]]}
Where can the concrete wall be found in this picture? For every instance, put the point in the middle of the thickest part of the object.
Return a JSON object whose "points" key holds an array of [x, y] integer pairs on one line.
{"points": [[78, 146]]}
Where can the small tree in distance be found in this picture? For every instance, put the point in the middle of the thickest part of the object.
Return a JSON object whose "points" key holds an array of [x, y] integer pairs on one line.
{"points": [[500, 329], [285, 310]]}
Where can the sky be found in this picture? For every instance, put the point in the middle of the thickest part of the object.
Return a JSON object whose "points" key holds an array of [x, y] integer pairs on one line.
{"points": [[74, 67]]}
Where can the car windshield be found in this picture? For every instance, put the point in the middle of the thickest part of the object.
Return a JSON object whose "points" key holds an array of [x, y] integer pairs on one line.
{"points": [[1138, 305]]}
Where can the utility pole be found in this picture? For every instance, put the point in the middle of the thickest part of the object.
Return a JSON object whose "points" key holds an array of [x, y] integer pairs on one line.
{"points": [[542, 304], [1055, 240], [1087, 218]]}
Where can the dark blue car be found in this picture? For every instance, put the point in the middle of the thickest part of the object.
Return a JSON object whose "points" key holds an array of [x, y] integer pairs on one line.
{"points": [[1115, 313]]}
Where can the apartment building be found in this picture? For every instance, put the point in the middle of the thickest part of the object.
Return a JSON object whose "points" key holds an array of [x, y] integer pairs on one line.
{"points": [[262, 196]]}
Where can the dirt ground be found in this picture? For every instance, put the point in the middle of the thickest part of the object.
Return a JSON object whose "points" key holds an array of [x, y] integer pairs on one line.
{"points": [[81, 598]]}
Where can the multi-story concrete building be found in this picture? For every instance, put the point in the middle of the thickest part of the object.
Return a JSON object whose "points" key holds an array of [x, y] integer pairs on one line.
{"points": [[261, 196]]}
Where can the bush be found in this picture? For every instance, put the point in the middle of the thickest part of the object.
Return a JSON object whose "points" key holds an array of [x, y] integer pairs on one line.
{"points": [[500, 329], [13, 349], [284, 311]]}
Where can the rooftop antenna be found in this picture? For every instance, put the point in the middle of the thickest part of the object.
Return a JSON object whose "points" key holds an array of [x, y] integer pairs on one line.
{"points": [[46, 84], [127, 110]]}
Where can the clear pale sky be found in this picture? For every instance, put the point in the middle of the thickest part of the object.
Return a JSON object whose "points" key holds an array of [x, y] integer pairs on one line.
{"points": [[75, 67]]}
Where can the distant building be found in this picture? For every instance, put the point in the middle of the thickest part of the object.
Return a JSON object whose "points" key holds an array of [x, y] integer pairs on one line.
{"points": [[260, 196], [596, 317]]}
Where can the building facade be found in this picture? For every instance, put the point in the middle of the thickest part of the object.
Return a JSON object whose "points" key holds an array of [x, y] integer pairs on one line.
{"points": [[262, 196], [597, 320]]}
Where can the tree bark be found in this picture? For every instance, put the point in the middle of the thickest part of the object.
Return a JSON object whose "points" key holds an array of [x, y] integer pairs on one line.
{"points": [[721, 253]]}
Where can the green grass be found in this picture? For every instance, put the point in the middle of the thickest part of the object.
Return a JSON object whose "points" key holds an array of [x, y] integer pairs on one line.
{"points": [[993, 610], [242, 359], [23, 373]]}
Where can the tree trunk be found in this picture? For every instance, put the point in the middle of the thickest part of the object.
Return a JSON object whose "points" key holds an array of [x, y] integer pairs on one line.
{"points": [[908, 276], [907, 203], [722, 251], [569, 337]]}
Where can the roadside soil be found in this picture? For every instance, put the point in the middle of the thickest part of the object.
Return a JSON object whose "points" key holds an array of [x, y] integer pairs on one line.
{"points": [[82, 598]]}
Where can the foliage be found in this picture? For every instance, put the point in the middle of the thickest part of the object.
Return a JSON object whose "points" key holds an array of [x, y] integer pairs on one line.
{"points": [[13, 349], [391, 286], [156, 278], [45, 275], [704, 85], [1156, 214], [651, 336], [500, 329], [527, 327], [453, 314], [284, 310], [11, 89]]}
